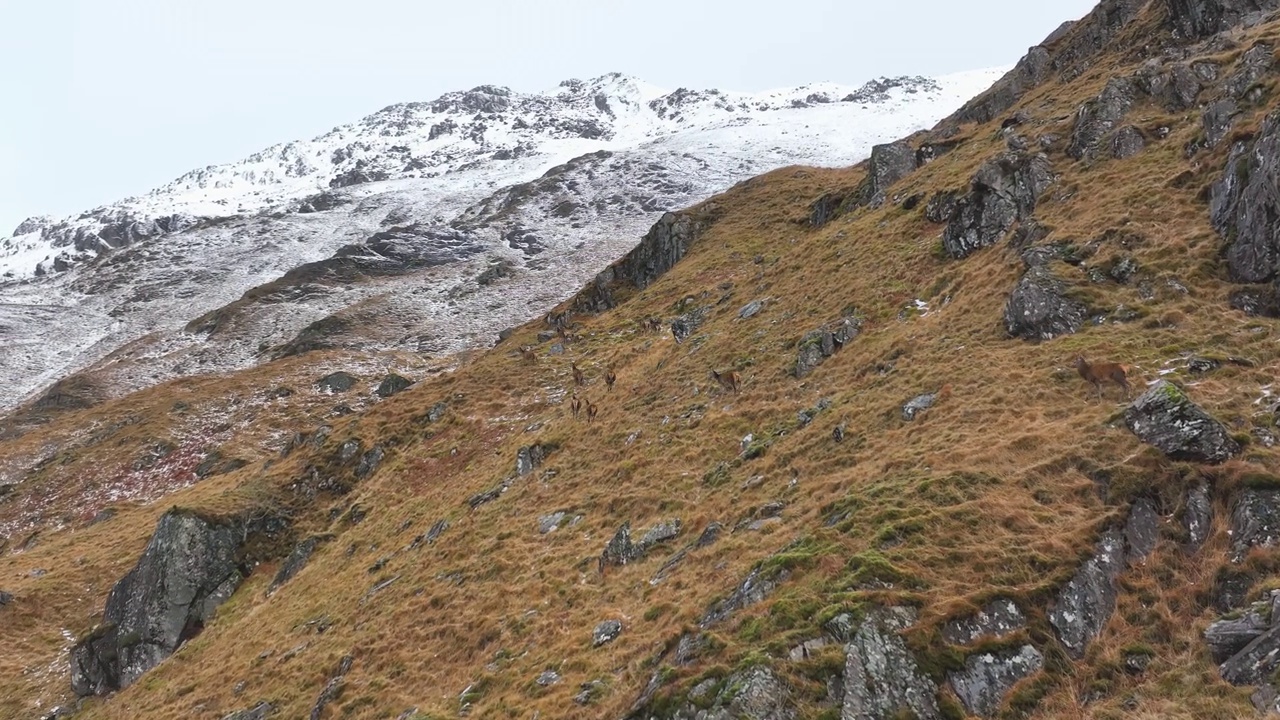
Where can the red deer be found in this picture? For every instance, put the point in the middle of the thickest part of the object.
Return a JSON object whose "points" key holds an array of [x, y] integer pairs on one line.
{"points": [[578, 378], [731, 380], [610, 378], [575, 404], [1098, 373], [591, 411], [528, 354]]}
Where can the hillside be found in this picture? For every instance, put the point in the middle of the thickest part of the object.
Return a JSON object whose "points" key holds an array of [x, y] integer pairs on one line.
{"points": [[900, 500], [425, 227]]}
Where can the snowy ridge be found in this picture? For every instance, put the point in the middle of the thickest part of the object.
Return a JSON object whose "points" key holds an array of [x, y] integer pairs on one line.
{"points": [[546, 188]]}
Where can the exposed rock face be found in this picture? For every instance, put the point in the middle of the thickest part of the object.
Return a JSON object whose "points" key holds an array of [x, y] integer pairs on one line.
{"points": [[987, 677], [1165, 417], [1142, 529], [823, 343], [1194, 19], [659, 250], [621, 550], [1098, 117], [1245, 209], [529, 459], [888, 164], [917, 405], [1034, 68], [996, 619], [756, 693], [1086, 602], [824, 209], [1003, 191], [606, 632], [1228, 637], [1254, 664], [687, 324], [881, 678], [261, 711], [189, 567], [1127, 142], [1039, 309], [1199, 516], [1255, 521]]}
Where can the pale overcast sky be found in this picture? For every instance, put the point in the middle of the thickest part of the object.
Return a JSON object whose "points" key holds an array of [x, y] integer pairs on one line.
{"points": [[100, 99]]}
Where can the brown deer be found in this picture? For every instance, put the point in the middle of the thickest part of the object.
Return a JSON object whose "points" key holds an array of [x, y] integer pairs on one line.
{"points": [[610, 378], [528, 354], [1098, 373], [575, 404], [731, 380], [578, 378], [591, 411]]}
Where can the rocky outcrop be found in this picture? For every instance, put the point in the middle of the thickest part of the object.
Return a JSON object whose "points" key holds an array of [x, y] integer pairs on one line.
{"points": [[529, 458], [755, 693], [917, 405], [823, 343], [1245, 208], [1003, 191], [687, 324], [298, 559], [1127, 142], [987, 677], [1195, 19], [1199, 516], [336, 382], [1165, 417], [881, 677], [888, 164], [1040, 309], [1255, 521], [659, 250], [392, 384], [1098, 117], [606, 632], [190, 566], [622, 550], [996, 619], [261, 711], [1225, 638], [1085, 604], [1033, 69]]}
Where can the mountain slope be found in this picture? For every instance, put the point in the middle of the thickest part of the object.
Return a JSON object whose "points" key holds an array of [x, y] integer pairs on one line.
{"points": [[538, 190], [912, 505]]}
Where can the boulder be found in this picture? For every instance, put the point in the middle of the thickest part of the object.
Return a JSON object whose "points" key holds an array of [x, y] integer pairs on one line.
{"points": [[1228, 637], [881, 677], [298, 559], [5, 598], [1099, 116], [1165, 417], [751, 309], [1216, 119], [822, 210], [392, 384], [551, 523], [685, 325], [1199, 516], [190, 566], [621, 550], [1039, 308], [1142, 530], [1255, 302], [1245, 209], [941, 206], [606, 632], [755, 693], [987, 677], [822, 343], [996, 619], [888, 164], [261, 711], [1002, 191], [1255, 662], [529, 459], [369, 461], [1086, 602], [336, 382], [917, 405], [1255, 521]]}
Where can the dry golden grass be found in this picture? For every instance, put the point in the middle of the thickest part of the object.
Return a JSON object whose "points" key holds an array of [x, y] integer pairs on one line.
{"points": [[988, 493]]}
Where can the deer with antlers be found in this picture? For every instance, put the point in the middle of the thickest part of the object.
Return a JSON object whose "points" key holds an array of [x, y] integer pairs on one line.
{"points": [[731, 380]]}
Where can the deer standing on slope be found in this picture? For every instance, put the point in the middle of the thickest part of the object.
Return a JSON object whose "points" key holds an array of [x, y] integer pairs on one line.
{"points": [[731, 380], [578, 378], [1098, 373], [575, 404], [591, 411], [610, 378]]}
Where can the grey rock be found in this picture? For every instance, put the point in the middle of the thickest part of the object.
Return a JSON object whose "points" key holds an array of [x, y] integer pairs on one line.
{"points": [[659, 250], [1194, 19], [369, 461], [261, 711], [5, 598], [393, 384], [822, 343], [1086, 602], [1127, 142], [1003, 191], [298, 559], [621, 550], [887, 165], [1199, 516], [881, 677], [1033, 69], [755, 693], [996, 619], [755, 587], [551, 523], [806, 649], [606, 632], [1142, 529], [336, 382], [1039, 308], [1123, 270], [1255, 662], [917, 405], [1165, 417], [548, 678], [1245, 209], [349, 449], [987, 677], [1225, 638], [190, 566], [662, 532], [687, 324], [588, 692], [941, 206], [332, 690], [1099, 116], [1216, 121], [1255, 302], [824, 209], [1255, 521], [529, 459], [751, 309]]}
